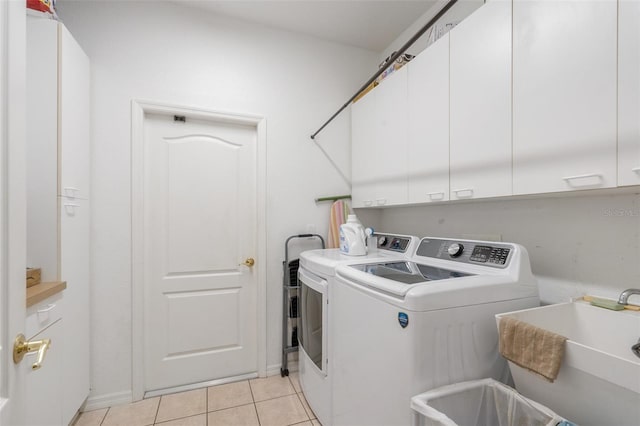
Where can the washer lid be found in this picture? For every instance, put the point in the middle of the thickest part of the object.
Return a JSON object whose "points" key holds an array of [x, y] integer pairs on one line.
{"points": [[409, 272]]}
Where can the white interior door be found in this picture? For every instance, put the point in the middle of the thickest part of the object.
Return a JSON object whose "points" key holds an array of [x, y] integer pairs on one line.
{"points": [[12, 207], [200, 226]]}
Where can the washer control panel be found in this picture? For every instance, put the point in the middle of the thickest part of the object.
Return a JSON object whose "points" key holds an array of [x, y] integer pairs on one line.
{"points": [[393, 242], [473, 252]]}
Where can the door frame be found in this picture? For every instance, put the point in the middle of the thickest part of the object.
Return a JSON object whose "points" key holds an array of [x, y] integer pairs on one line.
{"points": [[138, 110]]}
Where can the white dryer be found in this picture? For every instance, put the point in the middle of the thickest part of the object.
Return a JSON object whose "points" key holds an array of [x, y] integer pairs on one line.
{"points": [[403, 327], [316, 277]]}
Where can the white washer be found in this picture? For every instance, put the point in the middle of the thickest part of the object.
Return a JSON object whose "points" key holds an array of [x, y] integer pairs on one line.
{"points": [[402, 328], [316, 277]]}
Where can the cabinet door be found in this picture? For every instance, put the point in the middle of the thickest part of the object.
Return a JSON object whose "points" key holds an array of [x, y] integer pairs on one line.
{"points": [[44, 400], [564, 95], [629, 92], [74, 92], [42, 146], [391, 142], [363, 142], [428, 125], [480, 149], [74, 269]]}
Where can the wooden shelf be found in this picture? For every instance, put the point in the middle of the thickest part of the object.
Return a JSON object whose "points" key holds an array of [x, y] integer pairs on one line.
{"points": [[39, 292]]}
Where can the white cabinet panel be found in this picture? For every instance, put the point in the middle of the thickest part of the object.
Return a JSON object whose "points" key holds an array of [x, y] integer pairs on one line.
{"points": [[391, 146], [44, 400], [363, 140], [480, 140], [428, 124], [74, 118], [629, 92], [42, 146], [379, 143], [74, 269], [564, 95]]}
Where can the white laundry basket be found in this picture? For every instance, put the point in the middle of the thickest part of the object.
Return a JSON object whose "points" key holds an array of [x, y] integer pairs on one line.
{"points": [[484, 402]]}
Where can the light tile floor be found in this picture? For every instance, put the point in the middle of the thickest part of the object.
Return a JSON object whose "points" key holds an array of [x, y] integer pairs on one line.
{"points": [[273, 401]]}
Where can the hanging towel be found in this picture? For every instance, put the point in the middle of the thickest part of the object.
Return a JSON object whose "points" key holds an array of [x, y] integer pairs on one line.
{"points": [[530, 347], [339, 212]]}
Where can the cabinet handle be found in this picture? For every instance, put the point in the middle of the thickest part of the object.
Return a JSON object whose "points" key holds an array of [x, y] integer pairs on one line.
{"points": [[72, 190], [636, 169], [568, 179], [381, 201], [70, 208], [458, 192], [432, 195], [47, 309], [368, 203]]}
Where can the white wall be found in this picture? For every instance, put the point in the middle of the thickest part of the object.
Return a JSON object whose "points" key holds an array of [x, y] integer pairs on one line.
{"points": [[586, 244], [165, 52]]}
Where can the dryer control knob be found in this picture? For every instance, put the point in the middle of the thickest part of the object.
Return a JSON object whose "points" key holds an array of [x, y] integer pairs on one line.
{"points": [[455, 249]]}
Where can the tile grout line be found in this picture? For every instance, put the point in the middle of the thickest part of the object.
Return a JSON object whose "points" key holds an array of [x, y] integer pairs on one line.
{"points": [[105, 416], [304, 407], [206, 407], [255, 407], [157, 410]]}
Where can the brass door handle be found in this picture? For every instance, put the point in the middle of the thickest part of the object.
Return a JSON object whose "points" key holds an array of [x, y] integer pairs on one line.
{"points": [[21, 347], [249, 262]]}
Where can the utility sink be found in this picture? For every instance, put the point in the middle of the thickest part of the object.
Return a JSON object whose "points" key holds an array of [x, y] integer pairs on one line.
{"points": [[599, 380]]}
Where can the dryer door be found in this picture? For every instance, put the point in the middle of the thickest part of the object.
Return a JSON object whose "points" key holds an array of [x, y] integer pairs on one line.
{"points": [[313, 335]]}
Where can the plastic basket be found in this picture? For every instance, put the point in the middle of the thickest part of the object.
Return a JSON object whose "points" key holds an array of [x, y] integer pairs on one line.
{"points": [[483, 402]]}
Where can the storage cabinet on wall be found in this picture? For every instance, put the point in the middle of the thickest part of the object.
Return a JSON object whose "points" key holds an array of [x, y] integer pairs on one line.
{"points": [[564, 95], [480, 142], [428, 124], [58, 175], [379, 135], [529, 96], [629, 92]]}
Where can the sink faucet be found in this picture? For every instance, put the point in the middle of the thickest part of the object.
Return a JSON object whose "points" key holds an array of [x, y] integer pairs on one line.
{"points": [[624, 296]]}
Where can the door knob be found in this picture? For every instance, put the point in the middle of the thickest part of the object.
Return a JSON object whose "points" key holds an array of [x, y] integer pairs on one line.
{"points": [[249, 262], [21, 347]]}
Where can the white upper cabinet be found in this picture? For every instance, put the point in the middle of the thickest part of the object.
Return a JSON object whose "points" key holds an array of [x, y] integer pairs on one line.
{"points": [[564, 95], [379, 138], [480, 96], [391, 145], [428, 125], [629, 92], [363, 135], [74, 117]]}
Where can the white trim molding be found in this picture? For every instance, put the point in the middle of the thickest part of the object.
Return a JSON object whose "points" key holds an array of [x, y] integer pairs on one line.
{"points": [[139, 109], [106, 401]]}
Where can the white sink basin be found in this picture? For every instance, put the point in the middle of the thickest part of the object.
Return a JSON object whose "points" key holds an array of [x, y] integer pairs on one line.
{"points": [[599, 380]]}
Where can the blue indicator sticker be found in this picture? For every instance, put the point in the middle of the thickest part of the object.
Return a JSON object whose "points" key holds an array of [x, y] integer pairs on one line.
{"points": [[403, 319]]}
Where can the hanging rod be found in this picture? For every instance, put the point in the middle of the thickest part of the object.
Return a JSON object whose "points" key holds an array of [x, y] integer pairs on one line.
{"points": [[390, 62], [334, 198]]}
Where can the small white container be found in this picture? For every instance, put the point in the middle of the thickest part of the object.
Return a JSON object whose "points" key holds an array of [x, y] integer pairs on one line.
{"points": [[353, 241]]}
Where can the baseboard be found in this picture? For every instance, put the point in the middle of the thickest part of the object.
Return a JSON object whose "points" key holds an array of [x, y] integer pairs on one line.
{"points": [[273, 370], [108, 400]]}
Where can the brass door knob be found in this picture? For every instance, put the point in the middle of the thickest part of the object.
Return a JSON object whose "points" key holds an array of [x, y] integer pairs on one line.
{"points": [[21, 347], [249, 262]]}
